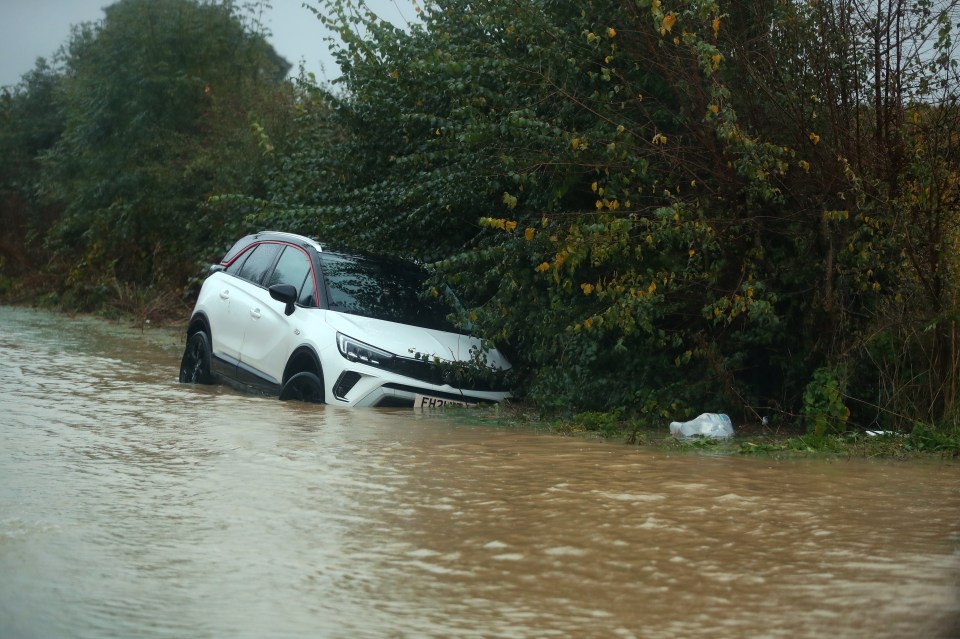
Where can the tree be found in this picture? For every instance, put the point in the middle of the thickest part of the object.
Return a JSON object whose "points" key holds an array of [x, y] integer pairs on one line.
{"points": [[30, 124], [154, 99]]}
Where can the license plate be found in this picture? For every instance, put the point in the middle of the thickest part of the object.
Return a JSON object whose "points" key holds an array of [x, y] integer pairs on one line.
{"points": [[427, 401]]}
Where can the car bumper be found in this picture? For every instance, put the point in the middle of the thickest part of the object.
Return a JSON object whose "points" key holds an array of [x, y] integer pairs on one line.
{"points": [[367, 387]]}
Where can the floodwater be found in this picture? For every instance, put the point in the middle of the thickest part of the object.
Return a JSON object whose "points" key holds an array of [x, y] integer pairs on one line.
{"points": [[132, 506]]}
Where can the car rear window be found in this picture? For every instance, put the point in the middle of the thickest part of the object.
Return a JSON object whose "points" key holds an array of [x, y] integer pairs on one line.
{"points": [[388, 291]]}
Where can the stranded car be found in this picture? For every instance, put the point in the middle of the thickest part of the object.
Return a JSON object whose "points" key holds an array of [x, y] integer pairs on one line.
{"points": [[281, 314]]}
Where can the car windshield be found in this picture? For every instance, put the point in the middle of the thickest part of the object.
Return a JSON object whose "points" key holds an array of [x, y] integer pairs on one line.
{"points": [[384, 290]]}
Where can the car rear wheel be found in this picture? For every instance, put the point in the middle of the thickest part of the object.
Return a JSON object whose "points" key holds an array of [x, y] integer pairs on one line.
{"points": [[303, 387], [195, 365]]}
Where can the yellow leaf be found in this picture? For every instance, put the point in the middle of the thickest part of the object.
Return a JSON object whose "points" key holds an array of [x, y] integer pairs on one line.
{"points": [[587, 323], [714, 109], [543, 267], [805, 165], [575, 143], [814, 138], [716, 58], [594, 187], [528, 234], [510, 226], [659, 138], [691, 252], [716, 25], [668, 21], [587, 288], [611, 32]]}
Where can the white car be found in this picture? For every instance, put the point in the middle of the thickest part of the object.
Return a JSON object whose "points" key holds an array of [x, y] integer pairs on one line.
{"points": [[283, 315]]}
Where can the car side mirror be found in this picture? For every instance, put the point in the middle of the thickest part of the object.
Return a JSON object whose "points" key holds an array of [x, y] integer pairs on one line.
{"points": [[285, 293]]}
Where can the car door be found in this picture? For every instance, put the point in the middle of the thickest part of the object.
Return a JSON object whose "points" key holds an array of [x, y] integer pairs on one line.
{"points": [[245, 293], [271, 335], [226, 309]]}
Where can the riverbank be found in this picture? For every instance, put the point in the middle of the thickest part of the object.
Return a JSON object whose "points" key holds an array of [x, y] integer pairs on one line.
{"points": [[749, 440]]}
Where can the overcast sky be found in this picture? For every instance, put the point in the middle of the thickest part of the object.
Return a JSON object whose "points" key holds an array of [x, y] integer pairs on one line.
{"points": [[37, 28]]}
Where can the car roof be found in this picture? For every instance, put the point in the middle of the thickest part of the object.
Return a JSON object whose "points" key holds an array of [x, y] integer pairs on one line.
{"points": [[289, 237], [319, 247]]}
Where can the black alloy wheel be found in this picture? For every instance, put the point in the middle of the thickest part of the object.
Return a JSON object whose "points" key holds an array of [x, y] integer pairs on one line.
{"points": [[195, 365], [303, 387]]}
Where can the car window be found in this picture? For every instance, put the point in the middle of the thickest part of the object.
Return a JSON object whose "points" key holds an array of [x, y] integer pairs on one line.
{"points": [[234, 268], [293, 268], [259, 262], [308, 291], [382, 290]]}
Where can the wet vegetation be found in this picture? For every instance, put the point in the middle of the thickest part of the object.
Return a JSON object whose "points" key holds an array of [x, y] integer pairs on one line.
{"points": [[655, 207]]}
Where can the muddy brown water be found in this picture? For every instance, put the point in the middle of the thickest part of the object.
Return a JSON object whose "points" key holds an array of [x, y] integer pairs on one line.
{"points": [[132, 506]]}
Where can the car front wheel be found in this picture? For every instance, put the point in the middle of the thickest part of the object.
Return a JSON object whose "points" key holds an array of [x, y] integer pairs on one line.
{"points": [[303, 387], [195, 365]]}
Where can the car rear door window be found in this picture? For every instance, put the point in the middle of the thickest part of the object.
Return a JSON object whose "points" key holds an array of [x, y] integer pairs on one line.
{"points": [[259, 262]]}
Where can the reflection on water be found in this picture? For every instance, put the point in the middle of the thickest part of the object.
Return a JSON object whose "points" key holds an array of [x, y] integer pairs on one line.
{"points": [[133, 506]]}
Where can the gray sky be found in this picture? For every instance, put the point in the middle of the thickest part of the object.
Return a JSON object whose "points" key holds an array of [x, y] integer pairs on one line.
{"points": [[37, 28]]}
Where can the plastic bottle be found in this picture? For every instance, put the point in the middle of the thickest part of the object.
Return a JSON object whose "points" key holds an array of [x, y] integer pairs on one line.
{"points": [[706, 425]]}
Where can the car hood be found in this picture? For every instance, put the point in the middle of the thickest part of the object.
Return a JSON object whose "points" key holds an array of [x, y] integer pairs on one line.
{"points": [[405, 340]]}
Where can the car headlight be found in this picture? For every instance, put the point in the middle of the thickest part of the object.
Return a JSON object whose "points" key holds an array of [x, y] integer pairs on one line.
{"points": [[357, 351]]}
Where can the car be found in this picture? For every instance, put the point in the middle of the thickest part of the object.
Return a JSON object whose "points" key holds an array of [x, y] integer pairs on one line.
{"points": [[286, 315]]}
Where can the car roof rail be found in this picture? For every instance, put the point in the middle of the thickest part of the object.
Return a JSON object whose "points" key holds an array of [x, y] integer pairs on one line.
{"points": [[293, 237]]}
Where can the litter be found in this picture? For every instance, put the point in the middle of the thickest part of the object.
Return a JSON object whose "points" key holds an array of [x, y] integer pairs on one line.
{"points": [[711, 425]]}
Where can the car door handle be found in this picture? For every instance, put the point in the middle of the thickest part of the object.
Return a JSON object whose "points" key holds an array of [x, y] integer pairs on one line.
{"points": [[225, 294], [255, 313]]}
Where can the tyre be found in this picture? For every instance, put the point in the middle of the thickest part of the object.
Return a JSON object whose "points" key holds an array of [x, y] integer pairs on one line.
{"points": [[303, 387], [195, 365]]}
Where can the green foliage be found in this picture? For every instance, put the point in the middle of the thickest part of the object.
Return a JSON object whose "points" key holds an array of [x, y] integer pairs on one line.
{"points": [[30, 123], [823, 406]]}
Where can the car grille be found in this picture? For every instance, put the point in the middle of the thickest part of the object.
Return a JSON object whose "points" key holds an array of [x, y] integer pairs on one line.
{"points": [[394, 402], [459, 376]]}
